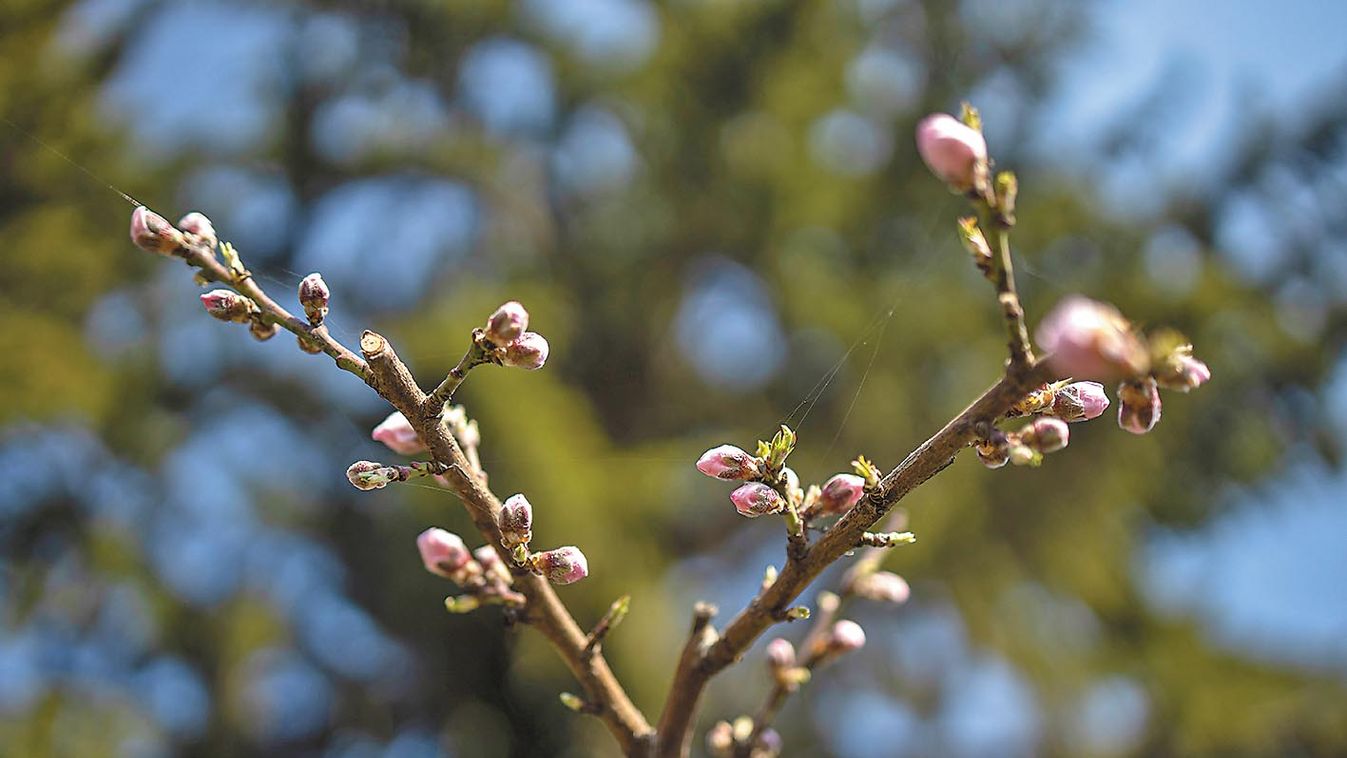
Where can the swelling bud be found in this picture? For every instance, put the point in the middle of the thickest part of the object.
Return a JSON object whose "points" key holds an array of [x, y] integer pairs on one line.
{"points": [[1079, 401], [563, 565], [756, 499], [728, 462], [955, 152], [442, 552], [882, 586], [369, 475], [1089, 338], [198, 226], [515, 521], [1138, 405], [839, 494], [152, 233], [398, 435], [507, 324], [528, 352], [313, 298], [227, 305]]}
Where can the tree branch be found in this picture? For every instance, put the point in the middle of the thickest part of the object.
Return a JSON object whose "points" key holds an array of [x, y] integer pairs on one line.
{"points": [[929, 459]]}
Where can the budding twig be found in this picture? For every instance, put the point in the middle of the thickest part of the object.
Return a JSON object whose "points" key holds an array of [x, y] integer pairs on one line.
{"points": [[616, 612]]}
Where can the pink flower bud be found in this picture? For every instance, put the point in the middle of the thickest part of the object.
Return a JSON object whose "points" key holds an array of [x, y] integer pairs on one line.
{"points": [[954, 151], [152, 232], [397, 433], [1079, 401], [563, 565], [1182, 372], [442, 552], [507, 323], [883, 586], [757, 499], [515, 521], [845, 636], [313, 298], [200, 227], [780, 654], [1090, 339], [728, 462], [487, 556], [368, 475], [227, 305], [720, 739], [1138, 405], [840, 493], [1045, 435], [527, 352]]}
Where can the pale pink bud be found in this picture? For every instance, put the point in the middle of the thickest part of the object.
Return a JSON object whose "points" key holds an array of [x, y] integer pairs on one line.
{"points": [[397, 433], [1046, 435], [152, 232], [728, 462], [1182, 372], [1138, 405], [993, 453], [1091, 339], [442, 552], [527, 352], [954, 151], [757, 499], [780, 654], [515, 521], [1023, 455], [313, 298], [368, 475], [840, 493], [883, 586], [487, 556], [197, 225], [846, 636], [227, 305], [562, 565], [1079, 401], [507, 323], [720, 739]]}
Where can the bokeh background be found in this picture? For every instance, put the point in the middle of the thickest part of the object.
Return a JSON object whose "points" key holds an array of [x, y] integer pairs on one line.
{"points": [[715, 213]]}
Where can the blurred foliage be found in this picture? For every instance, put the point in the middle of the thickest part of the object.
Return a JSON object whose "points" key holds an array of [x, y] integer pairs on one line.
{"points": [[715, 215]]}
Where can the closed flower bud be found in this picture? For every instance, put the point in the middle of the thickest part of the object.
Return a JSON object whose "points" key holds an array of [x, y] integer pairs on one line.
{"points": [[1091, 339], [313, 298], [993, 453], [507, 323], [487, 556], [1045, 435], [1181, 371], [442, 552], [528, 352], [1079, 401], [728, 462], [152, 233], [883, 586], [397, 433], [757, 499], [227, 305], [840, 493], [1138, 405], [262, 330], [561, 566], [1023, 455], [954, 151], [515, 521], [197, 225], [780, 654], [720, 739], [845, 636], [368, 475]]}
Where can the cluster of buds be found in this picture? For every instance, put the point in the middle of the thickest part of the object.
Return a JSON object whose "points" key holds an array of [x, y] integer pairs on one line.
{"points": [[1067, 400], [770, 487], [506, 340], [1025, 447], [1089, 338], [481, 573], [727, 739], [562, 565]]}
